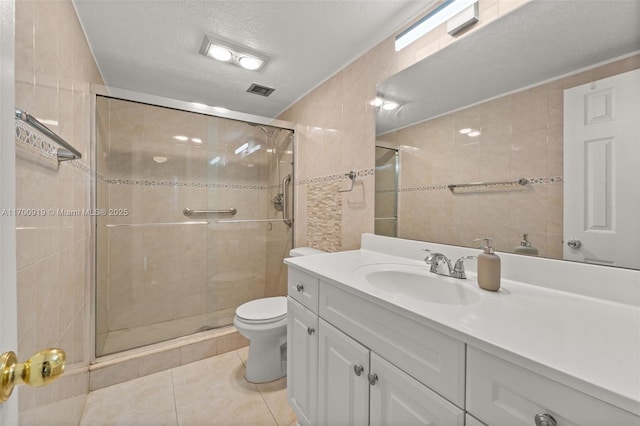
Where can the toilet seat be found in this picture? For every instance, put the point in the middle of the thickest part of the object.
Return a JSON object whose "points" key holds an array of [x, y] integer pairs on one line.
{"points": [[263, 311]]}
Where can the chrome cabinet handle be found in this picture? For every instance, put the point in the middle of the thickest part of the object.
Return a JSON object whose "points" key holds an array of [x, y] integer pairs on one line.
{"points": [[358, 369], [310, 330], [545, 420], [574, 244], [373, 378], [299, 287]]}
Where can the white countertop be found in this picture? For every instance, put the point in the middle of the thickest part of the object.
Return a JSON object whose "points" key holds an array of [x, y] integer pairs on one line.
{"points": [[590, 344]]}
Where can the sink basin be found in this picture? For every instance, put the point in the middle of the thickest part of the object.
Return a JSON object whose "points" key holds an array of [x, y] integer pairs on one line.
{"points": [[409, 282]]}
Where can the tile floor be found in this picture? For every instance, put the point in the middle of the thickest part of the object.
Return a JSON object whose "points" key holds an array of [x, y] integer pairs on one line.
{"points": [[208, 392]]}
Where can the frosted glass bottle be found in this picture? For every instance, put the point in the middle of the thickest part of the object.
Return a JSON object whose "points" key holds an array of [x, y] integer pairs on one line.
{"points": [[488, 267]]}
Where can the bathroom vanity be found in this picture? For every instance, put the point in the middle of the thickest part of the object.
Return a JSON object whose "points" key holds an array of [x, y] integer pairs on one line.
{"points": [[374, 338]]}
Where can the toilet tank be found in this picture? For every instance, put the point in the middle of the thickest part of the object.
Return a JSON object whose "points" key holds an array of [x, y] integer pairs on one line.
{"points": [[304, 251]]}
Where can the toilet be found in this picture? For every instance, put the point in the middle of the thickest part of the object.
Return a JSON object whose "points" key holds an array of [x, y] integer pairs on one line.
{"points": [[264, 323]]}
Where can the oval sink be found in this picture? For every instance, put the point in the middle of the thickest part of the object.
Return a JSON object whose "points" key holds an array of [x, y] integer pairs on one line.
{"points": [[410, 282]]}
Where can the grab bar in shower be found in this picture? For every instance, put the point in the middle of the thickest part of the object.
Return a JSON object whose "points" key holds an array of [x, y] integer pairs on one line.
{"points": [[141, 225], [285, 200], [188, 212], [66, 153]]}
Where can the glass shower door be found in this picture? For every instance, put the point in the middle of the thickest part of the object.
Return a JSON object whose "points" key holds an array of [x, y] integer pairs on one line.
{"points": [[386, 199], [161, 274]]}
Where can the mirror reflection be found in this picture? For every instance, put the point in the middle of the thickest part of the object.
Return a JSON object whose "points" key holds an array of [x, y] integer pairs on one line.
{"points": [[548, 95]]}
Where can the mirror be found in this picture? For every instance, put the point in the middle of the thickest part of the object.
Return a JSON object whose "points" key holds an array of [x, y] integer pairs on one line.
{"points": [[489, 108]]}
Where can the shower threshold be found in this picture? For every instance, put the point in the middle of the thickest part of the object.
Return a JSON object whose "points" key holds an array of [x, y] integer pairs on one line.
{"points": [[136, 337]]}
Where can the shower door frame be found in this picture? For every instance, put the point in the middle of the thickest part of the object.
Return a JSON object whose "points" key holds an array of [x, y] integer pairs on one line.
{"points": [[159, 101]]}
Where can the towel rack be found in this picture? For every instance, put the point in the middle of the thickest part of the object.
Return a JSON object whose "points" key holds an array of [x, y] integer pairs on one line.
{"points": [[66, 153], [521, 181], [351, 175], [142, 225]]}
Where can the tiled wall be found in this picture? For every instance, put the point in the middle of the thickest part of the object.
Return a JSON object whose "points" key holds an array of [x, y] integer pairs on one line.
{"points": [[54, 68], [336, 133], [521, 136], [159, 275]]}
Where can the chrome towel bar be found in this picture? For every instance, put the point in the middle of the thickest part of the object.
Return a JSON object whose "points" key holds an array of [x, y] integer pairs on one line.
{"points": [[521, 181], [252, 220], [66, 153], [188, 212]]}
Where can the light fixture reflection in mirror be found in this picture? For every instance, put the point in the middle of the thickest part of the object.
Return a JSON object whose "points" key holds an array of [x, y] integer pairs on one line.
{"points": [[517, 131]]}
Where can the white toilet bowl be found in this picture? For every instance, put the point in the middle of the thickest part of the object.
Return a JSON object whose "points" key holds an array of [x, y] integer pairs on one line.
{"points": [[264, 323]]}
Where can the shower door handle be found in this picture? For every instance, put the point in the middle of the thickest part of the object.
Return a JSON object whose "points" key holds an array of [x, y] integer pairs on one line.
{"points": [[285, 200]]}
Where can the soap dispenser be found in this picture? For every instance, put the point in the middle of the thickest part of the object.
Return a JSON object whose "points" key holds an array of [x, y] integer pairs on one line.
{"points": [[488, 267], [525, 247]]}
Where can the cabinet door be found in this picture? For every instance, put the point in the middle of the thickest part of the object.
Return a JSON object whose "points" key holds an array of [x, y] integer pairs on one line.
{"points": [[399, 399], [342, 379], [302, 362]]}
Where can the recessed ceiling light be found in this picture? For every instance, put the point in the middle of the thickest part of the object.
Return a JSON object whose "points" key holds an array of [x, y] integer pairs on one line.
{"points": [[377, 102], [160, 160], [474, 133], [465, 131], [250, 63], [390, 105], [220, 53], [232, 53]]}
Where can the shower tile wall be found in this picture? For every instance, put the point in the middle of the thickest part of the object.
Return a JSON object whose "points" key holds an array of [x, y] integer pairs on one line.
{"points": [[152, 275], [525, 131], [335, 125], [54, 68]]}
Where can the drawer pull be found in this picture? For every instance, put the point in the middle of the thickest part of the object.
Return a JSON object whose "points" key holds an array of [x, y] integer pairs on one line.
{"points": [[373, 378], [299, 287], [310, 330], [358, 369], [545, 420]]}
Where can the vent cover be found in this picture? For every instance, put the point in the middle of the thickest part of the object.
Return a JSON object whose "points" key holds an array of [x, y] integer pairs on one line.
{"points": [[260, 90]]}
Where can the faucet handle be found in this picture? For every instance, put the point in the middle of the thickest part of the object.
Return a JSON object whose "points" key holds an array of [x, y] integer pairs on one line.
{"points": [[458, 269]]}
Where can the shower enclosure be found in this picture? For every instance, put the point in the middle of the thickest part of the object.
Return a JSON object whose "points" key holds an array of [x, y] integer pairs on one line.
{"points": [[386, 199], [193, 219]]}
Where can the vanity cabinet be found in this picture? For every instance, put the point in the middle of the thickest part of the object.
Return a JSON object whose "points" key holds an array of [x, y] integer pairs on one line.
{"points": [[359, 387], [351, 381], [501, 393], [302, 362]]}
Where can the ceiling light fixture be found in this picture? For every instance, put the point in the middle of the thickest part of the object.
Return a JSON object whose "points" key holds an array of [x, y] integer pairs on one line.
{"points": [[390, 105], [232, 53], [431, 21], [385, 104], [160, 160]]}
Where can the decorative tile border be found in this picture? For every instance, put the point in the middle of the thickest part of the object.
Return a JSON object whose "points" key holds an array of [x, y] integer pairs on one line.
{"points": [[34, 140], [335, 177], [532, 181], [179, 184]]}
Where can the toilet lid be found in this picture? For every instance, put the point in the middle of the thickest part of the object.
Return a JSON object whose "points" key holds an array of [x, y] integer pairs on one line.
{"points": [[262, 310]]}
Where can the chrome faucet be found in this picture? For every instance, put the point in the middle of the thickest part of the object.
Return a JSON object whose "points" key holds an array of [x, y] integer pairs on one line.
{"points": [[457, 271]]}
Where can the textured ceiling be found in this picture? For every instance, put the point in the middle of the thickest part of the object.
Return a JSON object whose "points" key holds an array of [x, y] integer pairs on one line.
{"points": [[152, 46]]}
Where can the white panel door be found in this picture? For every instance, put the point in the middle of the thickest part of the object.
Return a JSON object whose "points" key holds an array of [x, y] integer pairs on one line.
{"points": [[8, 299], [343, 387], [398, 399], [302, 362], [602, 171]]}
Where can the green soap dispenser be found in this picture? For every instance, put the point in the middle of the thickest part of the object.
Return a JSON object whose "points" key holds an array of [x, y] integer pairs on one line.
{"points": [[488, 267], [525, 247]]}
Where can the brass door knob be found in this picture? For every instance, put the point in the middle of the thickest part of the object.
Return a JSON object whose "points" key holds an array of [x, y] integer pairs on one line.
{"points": [[39, 370]]}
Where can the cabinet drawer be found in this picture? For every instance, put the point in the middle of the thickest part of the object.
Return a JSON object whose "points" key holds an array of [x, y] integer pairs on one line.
{"points": [[304, 288], [501, 393], [429, 356]]}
